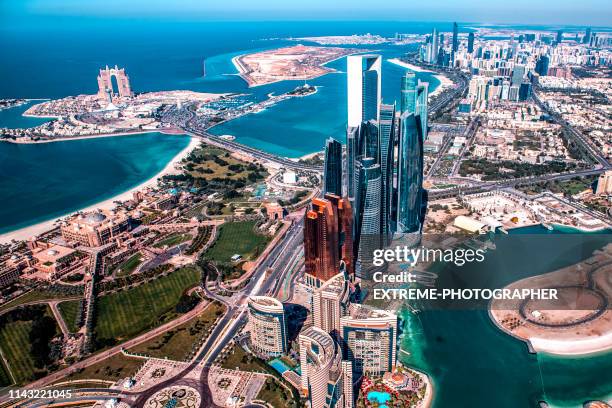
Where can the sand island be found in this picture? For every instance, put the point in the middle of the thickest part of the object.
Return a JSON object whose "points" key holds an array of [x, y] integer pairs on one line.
{"points": [[578, 322], [299, 62]]}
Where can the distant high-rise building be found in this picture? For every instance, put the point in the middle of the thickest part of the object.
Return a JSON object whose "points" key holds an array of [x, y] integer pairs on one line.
{"points": [[368, 219], [455, 47], [267, 326], [323, 374], [332, 170], [369, 337], [364, 88], [518, 73], [409, 174], [470, 45], [329, 303], [434, 47], [587, 36], [542, 65], [559, 39], [524, 91]]}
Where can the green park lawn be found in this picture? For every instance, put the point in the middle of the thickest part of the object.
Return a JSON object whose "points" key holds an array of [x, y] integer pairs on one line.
{"points": [[176, 344], [35, 295], [237, 238], [69, 310], [127, 267], [15, 346], [127, 313], [173, 239]]}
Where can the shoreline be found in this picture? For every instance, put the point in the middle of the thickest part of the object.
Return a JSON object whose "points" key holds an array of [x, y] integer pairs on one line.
{"points": [[30, 231], [96, 136], [445, 82]]}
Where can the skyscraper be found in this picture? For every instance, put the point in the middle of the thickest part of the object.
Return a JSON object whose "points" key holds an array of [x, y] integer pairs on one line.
{"points": [[542, 65], [387, 136], [321, 246], [518, 73], [364, 91], [345, 230], [409, 174], [328, 238], [408, 92], [470, 45], [332, 171], [421, 106], [587, 36], [455, 42], [352, 140], [559, 39], [414, 98], [267, 326], [369, 218]]}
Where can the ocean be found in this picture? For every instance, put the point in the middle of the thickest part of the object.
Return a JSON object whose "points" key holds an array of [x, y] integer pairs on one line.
{"points": [[472, 363]]}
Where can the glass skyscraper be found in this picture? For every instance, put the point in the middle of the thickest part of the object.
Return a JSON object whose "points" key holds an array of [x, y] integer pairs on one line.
{"points": [[408, 92], [369, 209], [332, 171], [410, 174], [387, 136], [414, 98], [363, 88], [470, 46]]}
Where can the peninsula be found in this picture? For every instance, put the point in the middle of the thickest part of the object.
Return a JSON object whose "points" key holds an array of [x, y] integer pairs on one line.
{"points": [[578, 322], [299, 62]]}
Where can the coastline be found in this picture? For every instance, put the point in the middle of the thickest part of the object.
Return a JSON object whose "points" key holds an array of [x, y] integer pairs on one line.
{"points": [[445, 83], [96, 136], [106, 204]]}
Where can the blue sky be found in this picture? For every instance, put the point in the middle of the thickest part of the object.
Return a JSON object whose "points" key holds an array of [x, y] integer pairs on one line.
{"points": [[571, 12]]}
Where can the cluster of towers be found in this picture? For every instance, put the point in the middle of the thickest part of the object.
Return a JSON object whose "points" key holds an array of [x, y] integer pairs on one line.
{"points": [[372, 189]]}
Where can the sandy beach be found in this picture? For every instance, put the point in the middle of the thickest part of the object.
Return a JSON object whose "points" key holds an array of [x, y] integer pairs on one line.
{"points": [[36, 229], [444, 81]]}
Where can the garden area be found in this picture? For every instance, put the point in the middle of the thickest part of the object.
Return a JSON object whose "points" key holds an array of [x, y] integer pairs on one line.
{"points": [[128, 312], [26, 342]]}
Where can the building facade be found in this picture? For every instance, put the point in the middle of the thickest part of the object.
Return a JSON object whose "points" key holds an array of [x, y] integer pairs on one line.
{"points": [[267, 326]]}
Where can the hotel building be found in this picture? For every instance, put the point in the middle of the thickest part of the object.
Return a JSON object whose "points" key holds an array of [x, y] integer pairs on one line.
{"points": [[329, 303], [325, 378], [94, 229], [327, 238], [369, 338], [267, 326]]}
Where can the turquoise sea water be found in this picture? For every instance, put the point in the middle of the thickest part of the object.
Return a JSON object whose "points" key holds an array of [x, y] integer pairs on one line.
{"points": [[44, 181], [472, 361]]}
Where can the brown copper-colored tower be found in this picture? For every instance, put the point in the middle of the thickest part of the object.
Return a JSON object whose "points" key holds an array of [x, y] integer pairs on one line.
{"points": [[321, 249], [345, 229], [328, 229]]}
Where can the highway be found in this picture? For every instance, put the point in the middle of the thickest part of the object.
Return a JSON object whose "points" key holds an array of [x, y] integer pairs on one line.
{"points": [[483, 186]]}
